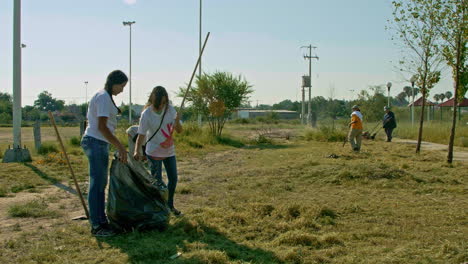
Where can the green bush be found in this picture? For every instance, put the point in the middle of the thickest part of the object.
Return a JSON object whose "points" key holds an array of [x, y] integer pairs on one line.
{"points": [[47, 148], [326, 133], [242, 121], [75, 141]]}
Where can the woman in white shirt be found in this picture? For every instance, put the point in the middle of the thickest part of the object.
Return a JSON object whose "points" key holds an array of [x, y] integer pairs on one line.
{"points": [[102, 121], [158, 122]]}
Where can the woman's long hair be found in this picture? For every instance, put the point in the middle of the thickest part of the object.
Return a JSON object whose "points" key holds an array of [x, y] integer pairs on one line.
{"points": [[156, 96], [115, 77]]}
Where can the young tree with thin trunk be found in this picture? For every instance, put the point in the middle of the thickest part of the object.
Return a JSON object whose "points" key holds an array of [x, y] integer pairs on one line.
{"points": [[452, 25], [217, 95], [414, 24]]}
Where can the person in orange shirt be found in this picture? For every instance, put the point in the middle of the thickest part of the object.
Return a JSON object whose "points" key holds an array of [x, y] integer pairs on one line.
{"points": [[355, 132]]}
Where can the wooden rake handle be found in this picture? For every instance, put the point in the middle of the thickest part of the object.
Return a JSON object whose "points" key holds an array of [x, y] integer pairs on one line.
{"points": [[194, 71], [52, 121]]}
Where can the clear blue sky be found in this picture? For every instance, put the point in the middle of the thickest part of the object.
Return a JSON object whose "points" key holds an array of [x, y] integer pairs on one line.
{"points": [[69, 42]]}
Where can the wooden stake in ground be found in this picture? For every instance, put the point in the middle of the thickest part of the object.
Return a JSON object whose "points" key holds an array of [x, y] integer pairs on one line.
{"points": [[194, 71], [52, 121]]}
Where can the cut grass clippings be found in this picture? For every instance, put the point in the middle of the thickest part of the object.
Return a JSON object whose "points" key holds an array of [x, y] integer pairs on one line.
{"points": [[288, 204]]}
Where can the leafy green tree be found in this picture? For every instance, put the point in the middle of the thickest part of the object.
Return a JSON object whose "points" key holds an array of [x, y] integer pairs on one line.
{"points": [[407, 91], [216, 96], [31, 113], [264, 107], [371, 102], [436, 97], [284, 105], [452, 17], [447, 95], [442, 97], [6, 108], [415, 25], [401, 99], [45, 102]]}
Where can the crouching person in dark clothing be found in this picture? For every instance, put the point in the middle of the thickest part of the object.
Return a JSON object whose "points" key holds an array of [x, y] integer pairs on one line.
{"points": [[389, 123]]}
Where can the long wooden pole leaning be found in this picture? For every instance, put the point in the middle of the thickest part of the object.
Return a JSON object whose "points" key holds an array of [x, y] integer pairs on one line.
{"points": [[194, 71], [52, 120]]}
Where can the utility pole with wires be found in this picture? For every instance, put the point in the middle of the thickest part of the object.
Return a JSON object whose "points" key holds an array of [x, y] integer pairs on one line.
{"points": [[199, 116], [309, 57]]}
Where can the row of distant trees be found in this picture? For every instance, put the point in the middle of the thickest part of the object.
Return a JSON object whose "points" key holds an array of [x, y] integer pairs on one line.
{"points": [[71, 113], [371, 101]]}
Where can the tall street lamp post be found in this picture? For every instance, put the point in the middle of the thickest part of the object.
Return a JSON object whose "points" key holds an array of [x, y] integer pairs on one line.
{"points": [[129, 24], [17, 154], [389, 85], [412, 80]]}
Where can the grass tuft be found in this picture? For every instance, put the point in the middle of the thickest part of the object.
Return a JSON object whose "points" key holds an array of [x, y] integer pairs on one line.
{"points": [[47, 148], [299, 238], [33, 208], [75, 141]]}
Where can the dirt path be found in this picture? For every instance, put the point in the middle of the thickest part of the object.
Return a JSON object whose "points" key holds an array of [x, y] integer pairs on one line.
{"points": [[64, 203], [459, 154]]}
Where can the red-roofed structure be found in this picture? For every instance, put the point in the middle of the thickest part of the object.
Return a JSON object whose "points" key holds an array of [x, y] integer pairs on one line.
{"points": [[449, 103], [419, 103]]}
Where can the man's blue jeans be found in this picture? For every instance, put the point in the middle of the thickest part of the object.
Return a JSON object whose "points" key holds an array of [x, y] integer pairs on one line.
{"points": [[170, 165], [97, 152]]}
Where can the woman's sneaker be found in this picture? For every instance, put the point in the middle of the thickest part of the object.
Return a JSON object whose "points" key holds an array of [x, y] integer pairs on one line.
{"points": [[160, 185], [103, 231]]}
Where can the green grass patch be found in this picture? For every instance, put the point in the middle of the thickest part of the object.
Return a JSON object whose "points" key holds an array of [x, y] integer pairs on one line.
{"points": [[47, 148], [35, 209], [74, 141], [326, 133]]}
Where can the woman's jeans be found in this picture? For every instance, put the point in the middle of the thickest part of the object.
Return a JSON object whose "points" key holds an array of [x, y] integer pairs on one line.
{"points": [[97, 152], [170, 165]]}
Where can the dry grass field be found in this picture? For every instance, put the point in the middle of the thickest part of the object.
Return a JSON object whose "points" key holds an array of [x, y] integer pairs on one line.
{"points": [[255, 201]]}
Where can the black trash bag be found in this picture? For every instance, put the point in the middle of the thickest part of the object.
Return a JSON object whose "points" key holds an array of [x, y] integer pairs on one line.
{"points": [[133, 202]]}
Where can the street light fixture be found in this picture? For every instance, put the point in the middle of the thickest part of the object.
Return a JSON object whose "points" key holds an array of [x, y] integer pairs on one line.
{"points": [[413, 79], [130, 23], [389, 85], [86, 96]]}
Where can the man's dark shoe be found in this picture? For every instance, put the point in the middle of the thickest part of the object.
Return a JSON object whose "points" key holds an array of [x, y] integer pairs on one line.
{"points": [[176, 212], [103, 231]]}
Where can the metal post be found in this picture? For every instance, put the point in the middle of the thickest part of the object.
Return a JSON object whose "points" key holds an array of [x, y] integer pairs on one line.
{"points": [[412, 105], [86, 98], [303, 106], [309, 57], [309, 112], [199, 118], [130, 84], [17, 74], [130, 23], [200, 41], [388, 98]]}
